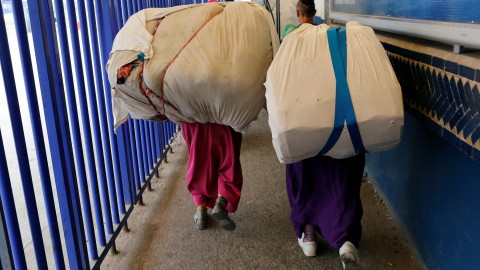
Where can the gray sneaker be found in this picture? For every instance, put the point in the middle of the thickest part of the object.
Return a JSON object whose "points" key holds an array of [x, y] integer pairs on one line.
{"points": [[220, 213], [201, 219]]}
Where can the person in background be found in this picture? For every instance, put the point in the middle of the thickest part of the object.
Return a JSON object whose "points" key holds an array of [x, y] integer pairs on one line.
{"points": [[324, 193], [214, 174]]}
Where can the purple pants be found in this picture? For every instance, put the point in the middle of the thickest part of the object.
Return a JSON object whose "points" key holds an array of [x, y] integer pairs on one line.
{"points": [[325, 192]]}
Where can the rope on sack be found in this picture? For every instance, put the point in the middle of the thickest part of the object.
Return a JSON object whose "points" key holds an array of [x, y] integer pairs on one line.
{"points": [[171, 62], [147, 91]]}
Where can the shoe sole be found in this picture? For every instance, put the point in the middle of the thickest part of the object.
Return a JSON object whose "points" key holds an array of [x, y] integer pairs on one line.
{"points": [[310, 254], [200, 227], [349, 262], [225, 222]]}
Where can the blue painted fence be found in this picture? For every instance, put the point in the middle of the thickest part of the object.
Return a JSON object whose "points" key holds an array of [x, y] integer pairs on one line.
{"points": [[99, 175]]}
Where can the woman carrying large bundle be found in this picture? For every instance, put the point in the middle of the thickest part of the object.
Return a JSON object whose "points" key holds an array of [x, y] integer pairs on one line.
{"points": [[332, 96], [203, 67]]}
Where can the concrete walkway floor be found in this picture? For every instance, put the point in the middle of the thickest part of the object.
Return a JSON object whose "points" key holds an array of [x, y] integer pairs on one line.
{"points": [[163, 236]]}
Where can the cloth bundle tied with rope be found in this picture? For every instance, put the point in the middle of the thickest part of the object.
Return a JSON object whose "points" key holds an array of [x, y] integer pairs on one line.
{"points": [[195, 63]]}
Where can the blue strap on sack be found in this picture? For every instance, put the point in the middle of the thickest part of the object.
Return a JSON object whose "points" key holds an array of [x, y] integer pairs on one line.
{"points": [[337, 42]]}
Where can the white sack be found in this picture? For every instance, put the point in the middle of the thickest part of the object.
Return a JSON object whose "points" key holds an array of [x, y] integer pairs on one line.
{"points": [[300, 92], [218, 74]]}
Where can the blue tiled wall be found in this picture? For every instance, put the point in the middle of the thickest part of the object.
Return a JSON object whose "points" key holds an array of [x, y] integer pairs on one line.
{"points": [[432, 190], [442, 94], [431, 181]]}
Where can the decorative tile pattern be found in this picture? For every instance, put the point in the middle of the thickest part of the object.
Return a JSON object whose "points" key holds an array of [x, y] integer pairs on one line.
{"points": [[442, 94]]}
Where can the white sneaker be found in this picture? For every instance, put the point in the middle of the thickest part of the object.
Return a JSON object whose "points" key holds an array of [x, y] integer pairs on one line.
{"points": [[349, 256], [308, 242]]}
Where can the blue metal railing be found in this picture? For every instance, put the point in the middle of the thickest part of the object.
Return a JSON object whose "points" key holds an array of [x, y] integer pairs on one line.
{"points": [[99, 175]]}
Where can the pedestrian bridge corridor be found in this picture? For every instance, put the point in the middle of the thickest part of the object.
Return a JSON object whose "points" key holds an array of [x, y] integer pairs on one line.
{"points": [[76, 193], [162, 233]]}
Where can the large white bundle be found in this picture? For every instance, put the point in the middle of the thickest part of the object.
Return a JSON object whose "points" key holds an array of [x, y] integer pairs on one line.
{"points": [[301, 94], [207, 62]]}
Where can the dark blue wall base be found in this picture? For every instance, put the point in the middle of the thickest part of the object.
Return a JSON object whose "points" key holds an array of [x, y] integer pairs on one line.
{"points": [[433, 191]]}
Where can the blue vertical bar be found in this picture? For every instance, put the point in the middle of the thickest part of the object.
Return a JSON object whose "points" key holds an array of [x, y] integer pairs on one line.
{"points": [[118, 9], [109, 142], [122, 149], [148, 145], [169, 131], [108, 26], [152, 143], [6, 256], [134, 153], [87, 59], [134, 6], [157, 141], [48, 63], [125, 11], [144, 148], [130, 8], [160, 140], [6, 194], [164, 134], [138, 144], [106, 156], [131, 161], [128, 185], [16, 122], [107, 31], [72, 21], [38, 135], [38, 25], [104, 123], [139, 5]]}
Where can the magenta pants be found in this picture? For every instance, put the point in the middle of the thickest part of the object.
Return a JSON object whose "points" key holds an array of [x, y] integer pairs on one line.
{"points": [[214, 163]]}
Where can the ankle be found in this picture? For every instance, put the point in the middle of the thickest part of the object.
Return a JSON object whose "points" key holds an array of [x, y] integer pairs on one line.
{"points": [[310, 233], [222, 200]]}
